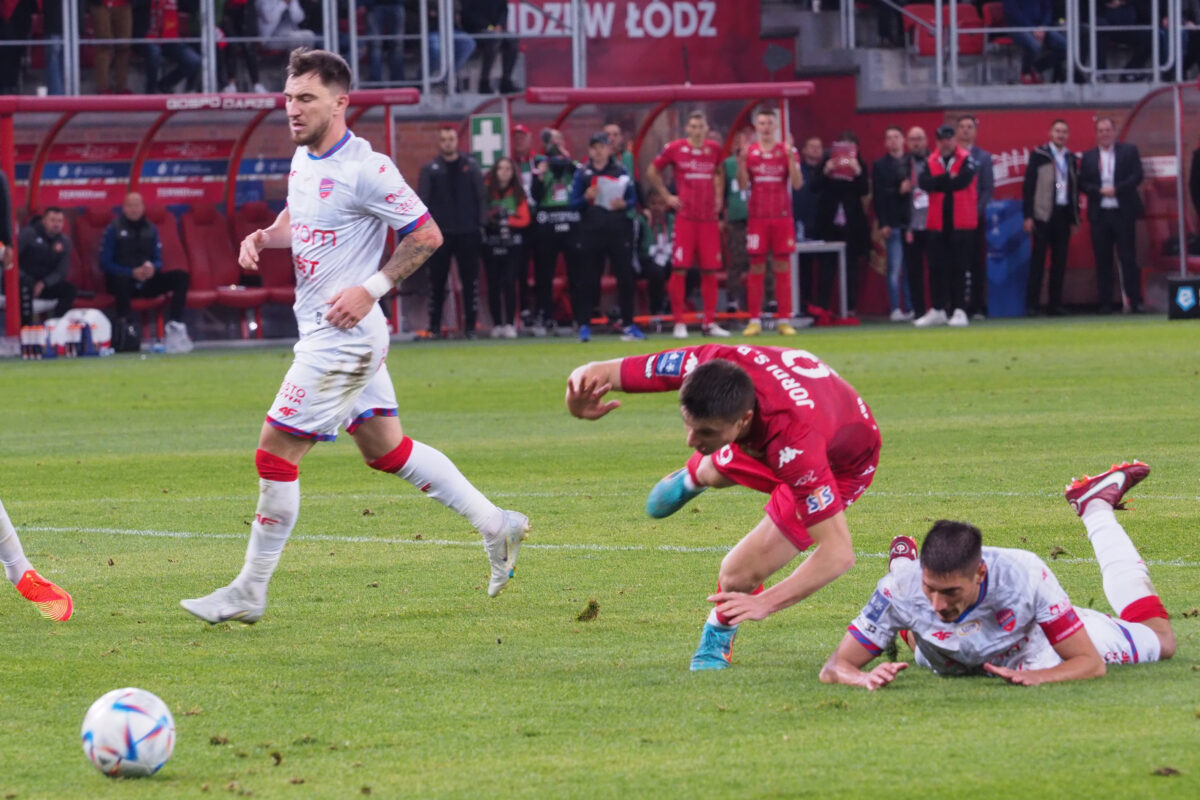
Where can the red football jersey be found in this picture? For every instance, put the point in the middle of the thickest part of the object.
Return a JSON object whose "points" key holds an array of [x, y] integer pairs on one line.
{"points": [[770, 181], [694, 171], [810, 426]]}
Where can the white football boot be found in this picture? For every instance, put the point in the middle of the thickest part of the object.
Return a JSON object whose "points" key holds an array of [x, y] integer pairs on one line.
{"points": [[227, 604], [502, 549]]}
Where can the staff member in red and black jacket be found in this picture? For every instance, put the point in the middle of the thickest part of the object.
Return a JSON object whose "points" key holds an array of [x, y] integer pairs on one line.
{"points": [[602, 191], [951, 222]]}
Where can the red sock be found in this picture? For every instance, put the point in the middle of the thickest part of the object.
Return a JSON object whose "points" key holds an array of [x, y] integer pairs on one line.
{"points": [[1146, 608], [708, 291], [721, 618], [783, 293], [754, 293], [677, 289]]}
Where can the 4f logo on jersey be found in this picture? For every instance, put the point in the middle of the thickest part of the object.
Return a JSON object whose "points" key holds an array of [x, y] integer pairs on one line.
{"points": [[819, 500], [787, 454], [941, 636], [325, 188], [1006, 619]]}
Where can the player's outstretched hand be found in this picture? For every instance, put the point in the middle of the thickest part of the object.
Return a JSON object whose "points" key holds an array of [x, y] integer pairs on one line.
{"points": [[251, 245], [883, 674], [348, 307], [1019, 677], [585, 399], [739, 606]]}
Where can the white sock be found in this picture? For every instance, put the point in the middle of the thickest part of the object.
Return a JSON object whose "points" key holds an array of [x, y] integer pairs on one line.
{"points": [[688, 483], [11, 554], [712, 620], [278, 507], [1125, 576], [433, 473]]}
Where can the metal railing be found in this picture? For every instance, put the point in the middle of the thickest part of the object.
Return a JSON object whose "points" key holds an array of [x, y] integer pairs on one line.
{"points": [[946, 30], [350, 43]]}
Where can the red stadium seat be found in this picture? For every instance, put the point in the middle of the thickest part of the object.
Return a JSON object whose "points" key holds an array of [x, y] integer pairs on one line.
{"points": [[85, 272], [275, 264], [213, 256]]}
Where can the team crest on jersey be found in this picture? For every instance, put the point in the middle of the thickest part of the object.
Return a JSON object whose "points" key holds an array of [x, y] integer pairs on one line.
{"points": [[325, 188], [1006, 619]]}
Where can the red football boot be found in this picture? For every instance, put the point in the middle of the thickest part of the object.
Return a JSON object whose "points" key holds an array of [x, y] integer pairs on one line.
{"points": [[1108, 486], [51, 600]]}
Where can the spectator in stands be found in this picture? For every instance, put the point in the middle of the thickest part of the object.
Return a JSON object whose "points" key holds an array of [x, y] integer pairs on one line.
{"points": [[111, 19], [556, 227], [891, 214], [280, 23], [503, 245], [488, 19], [522, 155], [385, 18], [52, 32], [985, 185], [238, 19], [131, 260], [602, 192], [841, 184], [1189, 47], [44, 255], [464, 45], [1040, 48], [162, 21], [916, 236], [451, 186], [1051, 208], [953, 215], [734, 226], [654, 249], [804, 209], [1109, 174]]}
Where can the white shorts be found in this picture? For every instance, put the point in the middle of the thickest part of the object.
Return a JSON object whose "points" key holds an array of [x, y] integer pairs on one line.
{"points": [[1118, 641], [338, 379]]}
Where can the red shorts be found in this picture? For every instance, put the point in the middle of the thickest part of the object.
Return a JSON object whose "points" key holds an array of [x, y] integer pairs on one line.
{"points": [[697, 243], [775, 236], [783, 509]]}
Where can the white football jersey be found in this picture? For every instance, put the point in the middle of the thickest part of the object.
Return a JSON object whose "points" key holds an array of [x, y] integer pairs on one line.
{"points": [[340, 204], [1022, 611]]}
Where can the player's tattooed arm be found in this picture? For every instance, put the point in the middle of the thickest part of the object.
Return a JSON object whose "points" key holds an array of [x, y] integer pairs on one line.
{"points": [[413, 251]]}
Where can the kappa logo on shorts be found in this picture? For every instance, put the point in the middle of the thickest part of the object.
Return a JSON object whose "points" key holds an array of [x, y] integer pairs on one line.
{"points": [[325, 188]]}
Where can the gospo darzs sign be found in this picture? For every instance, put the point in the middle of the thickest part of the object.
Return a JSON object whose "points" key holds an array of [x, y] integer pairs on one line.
{"points": [[634, 43]]}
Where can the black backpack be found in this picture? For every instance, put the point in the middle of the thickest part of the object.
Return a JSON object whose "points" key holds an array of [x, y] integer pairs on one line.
{"points": [[126, 337]]}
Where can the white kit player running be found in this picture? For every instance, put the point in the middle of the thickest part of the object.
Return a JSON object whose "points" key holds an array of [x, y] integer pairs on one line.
{"points": [[972, 610], [342, 196]]}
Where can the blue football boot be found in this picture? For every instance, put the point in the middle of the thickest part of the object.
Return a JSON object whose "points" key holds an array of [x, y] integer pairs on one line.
{"points": [[716, 647], [670, 494]]}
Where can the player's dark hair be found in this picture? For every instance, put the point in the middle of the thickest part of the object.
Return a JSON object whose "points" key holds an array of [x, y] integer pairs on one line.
{"points": [[847, 136], [717, 389], [1109, 120], [697, 115], [448, 126], [895, 128], [1060, 120], [952, 547], [331, 68], [967, 116], [766, 111], [52, 210]]}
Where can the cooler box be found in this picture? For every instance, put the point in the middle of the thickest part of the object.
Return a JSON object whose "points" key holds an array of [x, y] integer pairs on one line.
{"points": [[1183, 297]]}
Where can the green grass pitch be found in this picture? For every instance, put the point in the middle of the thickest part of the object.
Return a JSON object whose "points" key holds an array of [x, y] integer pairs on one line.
{"points": [[382, 668]]}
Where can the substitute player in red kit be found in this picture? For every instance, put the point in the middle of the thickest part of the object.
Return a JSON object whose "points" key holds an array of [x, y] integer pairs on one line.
{"points": [[775, 420], [695, 161], [342, 198], [771, 170]]}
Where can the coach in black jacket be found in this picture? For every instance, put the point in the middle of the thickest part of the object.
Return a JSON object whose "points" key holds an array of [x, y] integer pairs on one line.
{"points": [[451, 186], [1109, 175]]}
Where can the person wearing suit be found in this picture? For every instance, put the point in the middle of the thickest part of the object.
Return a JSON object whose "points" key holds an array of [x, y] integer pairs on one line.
{"points": [[1050, 200], [1109, 175]]}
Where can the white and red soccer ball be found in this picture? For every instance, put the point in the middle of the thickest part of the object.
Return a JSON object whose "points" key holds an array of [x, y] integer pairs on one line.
{"points": [[128, 733]]}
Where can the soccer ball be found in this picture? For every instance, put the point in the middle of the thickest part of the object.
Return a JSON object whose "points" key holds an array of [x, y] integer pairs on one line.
{"points": [[128, 732]]}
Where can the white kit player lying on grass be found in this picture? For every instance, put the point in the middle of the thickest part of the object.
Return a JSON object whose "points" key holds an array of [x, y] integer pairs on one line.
{"points": [[51, 600], [342, 196], [972, 610]]}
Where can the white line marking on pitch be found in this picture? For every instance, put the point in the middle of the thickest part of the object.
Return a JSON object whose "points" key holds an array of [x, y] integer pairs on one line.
{"points": [[584, 547]]}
